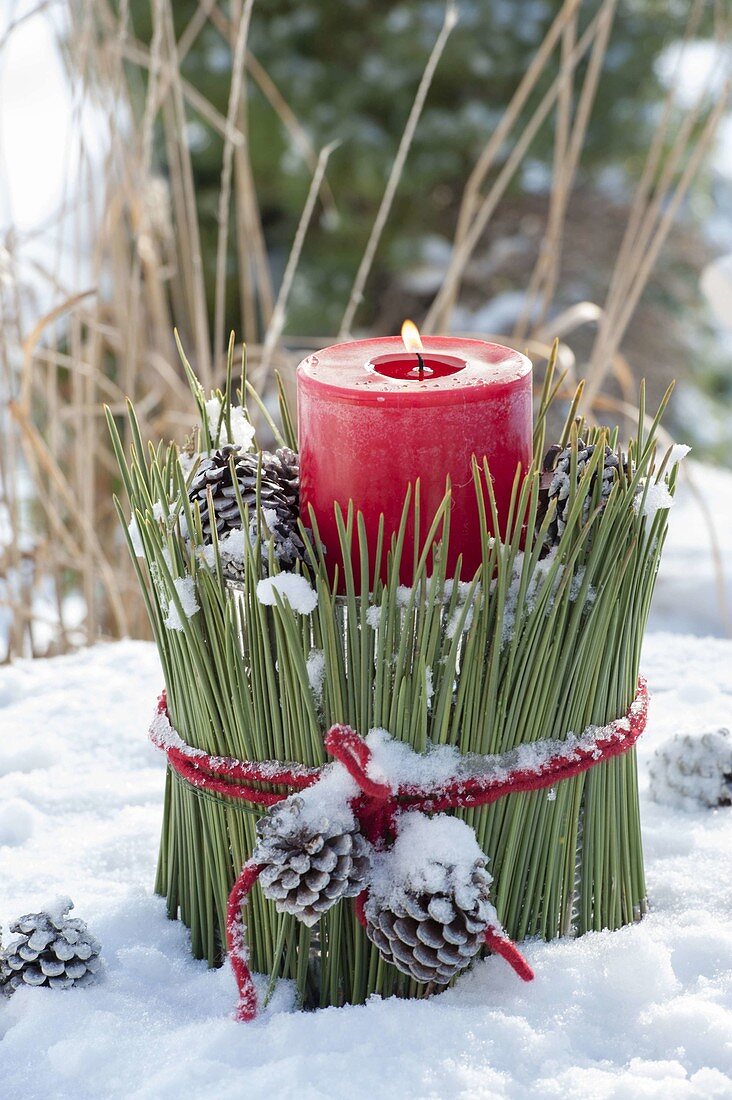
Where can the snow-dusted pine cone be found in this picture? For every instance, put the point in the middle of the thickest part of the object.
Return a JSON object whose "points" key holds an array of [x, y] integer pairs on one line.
{"points": [[693, 771], [50, 949], [429, 907], [313, 856], [555, 484], [279, 496], [4, 990]]}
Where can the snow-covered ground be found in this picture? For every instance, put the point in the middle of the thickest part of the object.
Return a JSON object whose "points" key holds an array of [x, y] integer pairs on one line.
{"points": [[644, 1012], [694, 590]]}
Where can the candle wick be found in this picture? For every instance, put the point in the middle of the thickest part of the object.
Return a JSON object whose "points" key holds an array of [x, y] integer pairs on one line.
{"points": [[420, 362]]}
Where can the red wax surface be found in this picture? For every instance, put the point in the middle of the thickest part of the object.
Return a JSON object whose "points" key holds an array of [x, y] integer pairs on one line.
{"points": [[410, 367], [365, 435]]}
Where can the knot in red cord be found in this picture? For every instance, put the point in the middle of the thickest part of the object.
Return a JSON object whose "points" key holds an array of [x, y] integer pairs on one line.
{"points": [[350, 750], [376, 806]]}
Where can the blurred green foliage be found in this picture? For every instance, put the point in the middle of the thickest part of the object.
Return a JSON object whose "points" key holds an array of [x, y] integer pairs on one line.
{"points": [[349, 69]]}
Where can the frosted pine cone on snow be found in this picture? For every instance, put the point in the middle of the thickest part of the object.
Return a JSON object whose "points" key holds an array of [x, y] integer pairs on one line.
{"points": [[428, 907], [556, 484], [313, 854], [50, 949], [4, 989], [693, 771]]}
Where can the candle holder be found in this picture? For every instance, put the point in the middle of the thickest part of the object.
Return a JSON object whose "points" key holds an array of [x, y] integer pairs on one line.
{"points": [[538, 646]]}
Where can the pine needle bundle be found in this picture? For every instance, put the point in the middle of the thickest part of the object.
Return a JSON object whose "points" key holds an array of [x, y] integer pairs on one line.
{"points": [[543, 641]]}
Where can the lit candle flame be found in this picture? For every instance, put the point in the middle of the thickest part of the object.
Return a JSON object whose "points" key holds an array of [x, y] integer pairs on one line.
{"points": [[410, 336]]}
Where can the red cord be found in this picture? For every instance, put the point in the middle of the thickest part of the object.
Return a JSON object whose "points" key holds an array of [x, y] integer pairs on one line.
{"points": [[345, 745], [503, 946], [236, 940], [204, 771]]}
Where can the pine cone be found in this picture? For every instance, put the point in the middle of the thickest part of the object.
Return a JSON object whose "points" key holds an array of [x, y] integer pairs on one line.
{"points": [[4, 988], [279, 495], [312, 858], [50, 949], [429, 905], [555, 484], [693, 771]]}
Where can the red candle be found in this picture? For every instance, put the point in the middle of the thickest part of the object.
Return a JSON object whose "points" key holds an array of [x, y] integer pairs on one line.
{"points": [[375, 416]]}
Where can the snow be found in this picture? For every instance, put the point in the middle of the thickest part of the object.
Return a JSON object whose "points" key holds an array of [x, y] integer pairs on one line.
{"points": [[694, 590], [657, 498], [316, 673], [292, 587], [270, 517], [679, 451], [242, 432], [644, 1012], [231, 549], [136, 538], [186, 589], [188, 462], [17, 821], [460, 619], [58, 908], [373, 617], [427, 852], [429, 686], [328, 800], [397, 764]]}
